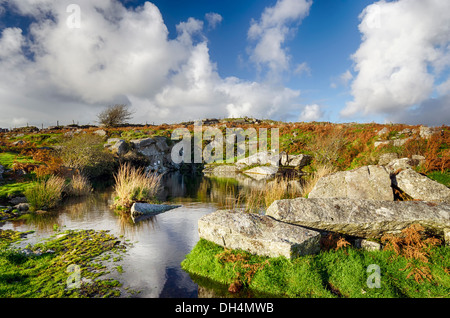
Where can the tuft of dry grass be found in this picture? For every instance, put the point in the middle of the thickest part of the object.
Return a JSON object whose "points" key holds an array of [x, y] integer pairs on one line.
{"points": [[79, 186], [46, 193], [255, 200], [310, 182], [134, 185]]}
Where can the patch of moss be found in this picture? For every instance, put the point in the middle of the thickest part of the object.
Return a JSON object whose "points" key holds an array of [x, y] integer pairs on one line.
{"points": [[45, 271], [14, 189]]}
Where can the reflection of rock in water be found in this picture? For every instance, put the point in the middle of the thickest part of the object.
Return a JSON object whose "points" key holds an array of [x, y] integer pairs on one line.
{"points": [[178, 185], [178, 284]]}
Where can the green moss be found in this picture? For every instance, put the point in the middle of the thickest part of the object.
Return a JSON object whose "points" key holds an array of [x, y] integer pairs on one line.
{"points": [[47, 274], [9, 190]]}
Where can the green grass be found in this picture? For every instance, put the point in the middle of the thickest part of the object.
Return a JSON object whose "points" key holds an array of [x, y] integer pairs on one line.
{"points": [[441, 177], [341, 273], [40, 140], [14, 189], [47, 275], [7, 159]]}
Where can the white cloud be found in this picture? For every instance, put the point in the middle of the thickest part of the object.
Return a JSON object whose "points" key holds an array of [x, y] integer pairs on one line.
{"points": [[303, 68], [311, 113], [213, 19], [271, 31], [346, 77], [119, 55], [404, 50], [343, 79]]}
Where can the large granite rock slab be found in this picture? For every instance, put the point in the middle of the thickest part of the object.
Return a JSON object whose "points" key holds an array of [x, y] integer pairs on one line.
{"points": [[367, 183], [361, 218], [421, 187], [258, 234]]}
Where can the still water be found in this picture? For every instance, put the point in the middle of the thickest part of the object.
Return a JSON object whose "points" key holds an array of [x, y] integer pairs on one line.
{"points": [[159, 244]]}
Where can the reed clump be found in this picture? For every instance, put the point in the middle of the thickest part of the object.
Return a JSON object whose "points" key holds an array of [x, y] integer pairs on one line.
{"points": [[46, 193], [79, 186], [132, 185]]}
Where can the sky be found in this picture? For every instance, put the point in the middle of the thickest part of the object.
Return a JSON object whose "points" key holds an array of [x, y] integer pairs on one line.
{"points": [[177, 60]]}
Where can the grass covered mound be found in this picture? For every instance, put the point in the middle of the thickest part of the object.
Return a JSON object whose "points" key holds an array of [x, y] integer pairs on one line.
{"points": [[52, 269], [346, 272]]}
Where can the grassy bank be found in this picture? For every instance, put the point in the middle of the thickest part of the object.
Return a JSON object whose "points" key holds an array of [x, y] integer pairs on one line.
{"points": [[46, 269], [329, 274]]}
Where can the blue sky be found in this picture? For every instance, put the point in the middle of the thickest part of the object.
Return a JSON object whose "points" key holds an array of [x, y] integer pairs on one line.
{"points": [[178, 60]]}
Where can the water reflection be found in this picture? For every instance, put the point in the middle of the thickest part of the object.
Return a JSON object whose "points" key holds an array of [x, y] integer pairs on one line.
{"points": [[159, 243]]}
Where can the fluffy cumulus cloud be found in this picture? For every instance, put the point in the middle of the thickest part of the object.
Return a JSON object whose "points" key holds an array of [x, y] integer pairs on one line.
{"points": [[403, 62], [311, 113], [271, 31], [70, 64]]}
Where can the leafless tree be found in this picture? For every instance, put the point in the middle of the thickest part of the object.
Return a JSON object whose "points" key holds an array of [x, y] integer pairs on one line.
{"points": [[115, 115]]}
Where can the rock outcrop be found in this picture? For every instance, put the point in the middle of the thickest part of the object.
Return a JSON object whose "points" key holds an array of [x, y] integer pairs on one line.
{"points": [[368, 182], [118, 146], [157, 151], [258, 234], [361, 218], [260, 158], [420, 187], [404, 136], [401, 164], [298, 161]]}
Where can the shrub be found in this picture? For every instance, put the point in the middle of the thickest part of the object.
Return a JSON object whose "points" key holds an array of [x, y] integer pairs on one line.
{"points": [[86, 154], [134, 185], [45, 194]]}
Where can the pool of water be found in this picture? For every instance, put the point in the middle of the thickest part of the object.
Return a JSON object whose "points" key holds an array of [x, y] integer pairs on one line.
{"points": [[159, 244]]}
